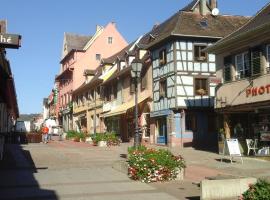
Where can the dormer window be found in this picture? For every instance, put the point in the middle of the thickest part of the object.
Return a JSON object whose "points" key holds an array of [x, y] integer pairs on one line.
{"points": [[162, 57], [199, 54], [98, 57]]}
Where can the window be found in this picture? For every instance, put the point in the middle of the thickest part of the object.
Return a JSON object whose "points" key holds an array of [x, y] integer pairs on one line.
{"points": [[162, 57], [201, 86], [163, 88], [108, 93], [144, 80], [110, 40], [242, 65], [227, 68], [98, 56], [191, 122], [268, 58], [199, 54], [268, 54], [115, 91]]}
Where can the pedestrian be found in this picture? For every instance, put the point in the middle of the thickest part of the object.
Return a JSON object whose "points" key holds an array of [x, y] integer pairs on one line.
{"points": [[45, 131], [50, 132]]}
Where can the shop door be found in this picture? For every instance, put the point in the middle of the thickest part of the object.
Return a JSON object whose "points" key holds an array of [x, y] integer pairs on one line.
{"points": [[162, 131]]}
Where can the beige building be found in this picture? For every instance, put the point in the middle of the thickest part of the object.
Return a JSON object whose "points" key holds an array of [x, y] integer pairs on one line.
{"points": [[119, 93], [243, 96]]}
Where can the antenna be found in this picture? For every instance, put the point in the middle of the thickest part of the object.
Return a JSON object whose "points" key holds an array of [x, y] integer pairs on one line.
{"points": [[215, 12]]}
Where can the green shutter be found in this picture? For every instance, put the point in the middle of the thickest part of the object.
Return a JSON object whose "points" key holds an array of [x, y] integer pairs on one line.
{"points": [[256, 54], [227, 68]]}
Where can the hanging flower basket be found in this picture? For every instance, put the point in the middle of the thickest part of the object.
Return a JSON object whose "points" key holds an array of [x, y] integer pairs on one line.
{"points": [[201, 92]]}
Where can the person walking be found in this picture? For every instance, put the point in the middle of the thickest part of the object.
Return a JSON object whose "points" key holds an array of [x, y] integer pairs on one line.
{"points": [[45, 131]]}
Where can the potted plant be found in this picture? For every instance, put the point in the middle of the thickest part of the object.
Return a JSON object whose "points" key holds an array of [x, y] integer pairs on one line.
{"points": [[99, 139]]}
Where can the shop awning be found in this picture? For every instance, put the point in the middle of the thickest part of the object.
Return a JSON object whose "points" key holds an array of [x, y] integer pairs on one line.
{"points": [[124, 107], [108, 74]]}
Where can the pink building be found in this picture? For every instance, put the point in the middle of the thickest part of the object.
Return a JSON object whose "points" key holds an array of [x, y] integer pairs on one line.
{"points": [[82, 53]]}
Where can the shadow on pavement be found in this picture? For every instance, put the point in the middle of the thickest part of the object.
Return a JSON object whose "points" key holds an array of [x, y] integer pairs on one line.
{"points": [[17, 180], [193, 198]]}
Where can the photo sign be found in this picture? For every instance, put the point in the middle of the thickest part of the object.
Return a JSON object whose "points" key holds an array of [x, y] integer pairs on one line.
{"points": [[12, 41]]}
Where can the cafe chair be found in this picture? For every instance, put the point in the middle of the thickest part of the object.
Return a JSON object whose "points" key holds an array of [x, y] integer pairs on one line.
{"points": [[252, 145]]}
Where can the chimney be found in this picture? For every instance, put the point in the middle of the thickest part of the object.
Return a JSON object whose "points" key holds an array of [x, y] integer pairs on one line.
{"points": [[213, 4], [203, 7], [113, 23]]}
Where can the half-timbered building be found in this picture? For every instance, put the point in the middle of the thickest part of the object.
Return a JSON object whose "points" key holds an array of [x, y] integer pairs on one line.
{"points": [[184, 76]]}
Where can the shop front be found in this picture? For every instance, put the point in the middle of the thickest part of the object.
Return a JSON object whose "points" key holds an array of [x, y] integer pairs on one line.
{"points": [[246, 114]]}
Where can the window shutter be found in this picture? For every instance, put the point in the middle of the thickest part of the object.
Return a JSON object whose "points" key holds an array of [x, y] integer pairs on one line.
{"points": [[256, 54], [227, 68]]}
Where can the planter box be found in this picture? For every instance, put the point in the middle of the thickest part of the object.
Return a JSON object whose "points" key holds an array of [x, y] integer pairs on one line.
{"points": [[180, 175], [102, 143], [225, 188]]}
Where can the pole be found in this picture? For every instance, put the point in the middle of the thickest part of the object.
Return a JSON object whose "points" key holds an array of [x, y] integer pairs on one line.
{"points": [[95, 114], [136, 137]]}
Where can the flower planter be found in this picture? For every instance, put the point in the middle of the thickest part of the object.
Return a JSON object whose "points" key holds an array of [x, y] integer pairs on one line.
{"points": [[102, 143], [180, 174]]}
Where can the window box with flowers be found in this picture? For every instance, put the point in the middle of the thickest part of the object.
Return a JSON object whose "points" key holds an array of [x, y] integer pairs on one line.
{"points": [[151, 165]]}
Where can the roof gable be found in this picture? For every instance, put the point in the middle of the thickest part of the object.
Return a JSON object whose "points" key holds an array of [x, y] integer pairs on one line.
{"points": [[261, 19], [73, 42]]}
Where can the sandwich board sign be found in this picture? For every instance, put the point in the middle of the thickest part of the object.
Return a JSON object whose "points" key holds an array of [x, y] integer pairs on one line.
{"points": [[232, 149]]}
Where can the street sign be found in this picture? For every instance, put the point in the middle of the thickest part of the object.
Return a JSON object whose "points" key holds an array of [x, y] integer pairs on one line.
{"points": [[12, 41], [232, 149]]}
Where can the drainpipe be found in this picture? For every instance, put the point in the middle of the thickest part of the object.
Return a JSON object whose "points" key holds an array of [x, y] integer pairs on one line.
{"points": [[203, 7]]}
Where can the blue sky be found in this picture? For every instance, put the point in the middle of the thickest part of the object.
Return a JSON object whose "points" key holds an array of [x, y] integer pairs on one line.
{"points": [[42, 24]]}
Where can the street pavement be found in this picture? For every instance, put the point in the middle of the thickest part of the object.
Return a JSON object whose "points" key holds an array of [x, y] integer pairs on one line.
{"points": [[76, 171]]}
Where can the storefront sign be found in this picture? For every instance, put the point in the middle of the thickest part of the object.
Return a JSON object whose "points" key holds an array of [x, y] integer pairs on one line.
{"points": [[160, 113], [255, 91], [10, 41], [215, 80]]}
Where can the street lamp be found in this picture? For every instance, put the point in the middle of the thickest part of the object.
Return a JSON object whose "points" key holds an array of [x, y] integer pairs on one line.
{"points": [[136, 68]]}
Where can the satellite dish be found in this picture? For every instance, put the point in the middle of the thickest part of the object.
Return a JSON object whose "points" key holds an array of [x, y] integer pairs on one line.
{"points": [[215, 12]]}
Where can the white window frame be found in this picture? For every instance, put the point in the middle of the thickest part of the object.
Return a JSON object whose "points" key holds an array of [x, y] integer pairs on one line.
{"points": [[238, 72], [268, 54]]}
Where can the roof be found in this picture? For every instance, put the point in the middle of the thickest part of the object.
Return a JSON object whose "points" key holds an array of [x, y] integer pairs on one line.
{"points": [[93, 82], [75, 42], [120, 54], [193, 24], [261, 19]]}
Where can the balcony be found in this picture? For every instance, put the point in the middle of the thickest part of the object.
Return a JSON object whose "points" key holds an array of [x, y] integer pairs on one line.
{"points": [[108, 106]]}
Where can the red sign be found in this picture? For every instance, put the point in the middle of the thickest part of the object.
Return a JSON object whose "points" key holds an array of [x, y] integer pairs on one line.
{"points": [[215, 80], [255, 91]]}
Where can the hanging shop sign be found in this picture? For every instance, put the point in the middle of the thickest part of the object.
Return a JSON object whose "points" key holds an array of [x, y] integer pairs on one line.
{"points": [[256, 91], [12, 41], [215, 80]]}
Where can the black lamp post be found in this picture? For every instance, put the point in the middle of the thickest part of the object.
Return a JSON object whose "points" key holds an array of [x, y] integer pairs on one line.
{"points": [[136, 68]]}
